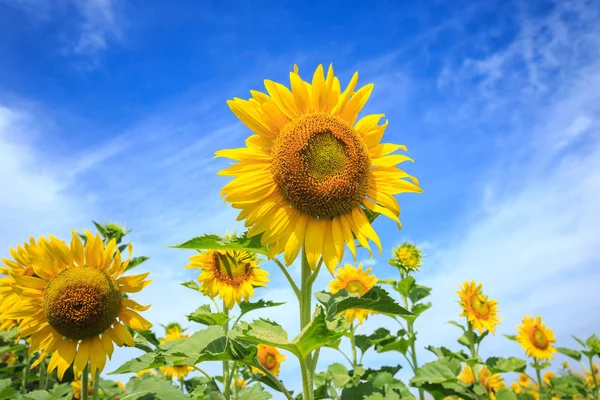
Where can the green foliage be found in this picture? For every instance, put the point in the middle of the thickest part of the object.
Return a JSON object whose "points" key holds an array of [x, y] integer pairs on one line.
{"points": [[216, 242], [161, 389], [376, 299], [205, 316], [501, 365]]}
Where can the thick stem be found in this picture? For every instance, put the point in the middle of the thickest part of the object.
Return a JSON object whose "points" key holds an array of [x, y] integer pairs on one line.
{"points": [[42, 373], [305, 314], [353, 344], [25, 372], [96, 385], [84, 381], [412, 337], [594, 377], [538, 373], [226, 381]]}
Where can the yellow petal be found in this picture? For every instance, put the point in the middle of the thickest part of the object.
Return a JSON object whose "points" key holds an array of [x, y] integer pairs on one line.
{"points": [[356, 103], [123, 334], [82, 357], [296, 239], [319, 93], [133, 283], [134, 320], [313, 241]]}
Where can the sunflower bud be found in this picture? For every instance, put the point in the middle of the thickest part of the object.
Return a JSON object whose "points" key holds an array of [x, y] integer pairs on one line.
{"points": [[407, 257]]}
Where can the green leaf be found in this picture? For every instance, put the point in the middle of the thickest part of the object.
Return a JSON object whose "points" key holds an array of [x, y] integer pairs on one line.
{"points": [[254, 392], [511, 337], [148, 360], [442, 352], [418, 309], [399, 344], [6, 390], [204, 315], [392, 370], [216, 242], [363, 342], [581, 342], [317, 333], [100, 228], [191, 285], [361, 391], [419, 292], [457, 324], [339, 375], [501, 365], [376, 299], [150, 337], [468, 338], [208, 391], [505, 394], [438, 371], [574, 354], [387, 281], [136, 261], [38, 395], [246, 307], [406, 285], [157, 388]]}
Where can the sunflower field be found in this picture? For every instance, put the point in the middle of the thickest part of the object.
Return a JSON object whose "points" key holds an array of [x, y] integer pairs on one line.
{"points": [[308, 185]]}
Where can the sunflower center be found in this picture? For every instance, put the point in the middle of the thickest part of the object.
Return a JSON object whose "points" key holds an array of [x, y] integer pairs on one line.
{"points": [[538, 338], [321, 165], [81, 302], [480, 305], [228, 269], [270, 361], [353, 286]]}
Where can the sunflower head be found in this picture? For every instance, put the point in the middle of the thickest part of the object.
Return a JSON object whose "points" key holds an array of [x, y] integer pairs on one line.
{"points": [[595, 368], [353, 280], [516, 387], [310, 170], [480, 312], [523, 380], [231, 275], [240, 383], [536, 340], [173, 327], [491, 382], [407, 257], [566, 365], [270, 358], [9, 358], [548, 375], [73, 305]]}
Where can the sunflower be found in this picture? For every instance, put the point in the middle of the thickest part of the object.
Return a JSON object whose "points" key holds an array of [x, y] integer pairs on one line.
{"points": [[145, 372], [491, 382], [536, 339], [240, 383], [480, 311], [354, 280], [270, 358], [595, 368], [19, 265], [523, 380], [548, 375], [121, 385], [407, 256], [516, 387], [175, 371], [310, 172], [73, 305], [9, 358], [230, 274]]}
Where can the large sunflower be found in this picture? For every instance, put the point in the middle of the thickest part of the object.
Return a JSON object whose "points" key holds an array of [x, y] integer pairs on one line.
{"points": [[480, 311], [311, 171], [232, 275], [175, 371], [491, 382], [73, 306], [270, 358], [19, 265], [354, 280], [536, 339]]}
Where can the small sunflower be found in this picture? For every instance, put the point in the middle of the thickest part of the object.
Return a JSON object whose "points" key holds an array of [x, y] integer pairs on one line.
{"points": [[480, 311], [548, 375], [354, 280], [536, 339], [523, 380], [310, 171], [230, 274], [516, 387], [491, 382], [145, 372], [595, 368], [73, 305], [121, 385], [240, 383], [566, 365], [407, 256], [270, 358], [175, 371], [9, 358]]}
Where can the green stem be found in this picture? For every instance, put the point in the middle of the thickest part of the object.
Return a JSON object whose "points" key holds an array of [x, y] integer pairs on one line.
{"points": [[84, 381], [42, 373], [234, 385], [538, 373], [308, 277], [275, 380], [226, 377], [203, 372], [288, 277], [353, 344], [594, 377], [412, 338], [315, 359], [25, 372], [96, 385]]}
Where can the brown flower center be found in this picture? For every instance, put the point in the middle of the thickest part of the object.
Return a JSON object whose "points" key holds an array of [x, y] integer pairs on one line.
{"points": [[480, 305], [321, 165], [539, 339], [81, 302], [269, 361], [229, 269]]}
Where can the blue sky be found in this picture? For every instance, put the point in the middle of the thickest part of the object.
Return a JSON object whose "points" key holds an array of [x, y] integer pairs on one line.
{"points": [[113, 111]]}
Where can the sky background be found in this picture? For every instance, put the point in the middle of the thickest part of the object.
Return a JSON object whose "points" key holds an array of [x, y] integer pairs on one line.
{"points": [[112, 111]]}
